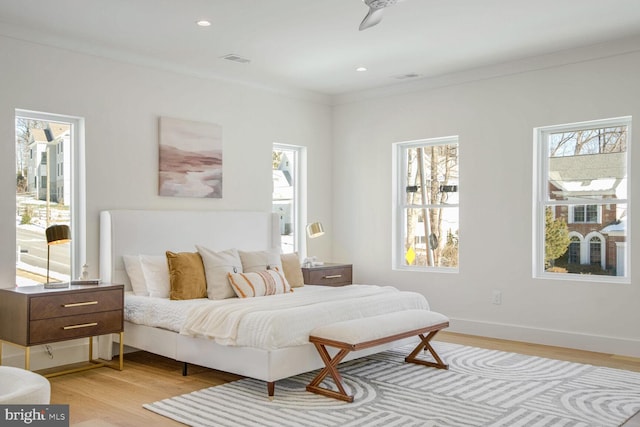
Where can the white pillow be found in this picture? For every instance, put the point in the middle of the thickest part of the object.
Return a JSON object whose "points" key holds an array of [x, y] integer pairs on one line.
{"points": [[259, 283], [261, 260], [216, 267], [156, 275], [133, 267]]}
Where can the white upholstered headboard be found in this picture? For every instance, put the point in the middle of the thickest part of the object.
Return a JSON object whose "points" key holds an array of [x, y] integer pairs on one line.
{"points": [[137, 232]]}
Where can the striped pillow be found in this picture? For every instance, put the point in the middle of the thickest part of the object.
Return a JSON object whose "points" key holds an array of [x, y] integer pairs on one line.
{"points": [[259, 283]]}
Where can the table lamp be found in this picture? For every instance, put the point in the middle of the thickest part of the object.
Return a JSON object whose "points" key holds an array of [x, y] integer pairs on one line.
{"points": [[56, 235], [314, 229]]}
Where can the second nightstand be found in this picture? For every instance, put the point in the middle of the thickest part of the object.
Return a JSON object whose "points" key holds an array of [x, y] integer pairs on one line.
{"points": [[328, 275]]}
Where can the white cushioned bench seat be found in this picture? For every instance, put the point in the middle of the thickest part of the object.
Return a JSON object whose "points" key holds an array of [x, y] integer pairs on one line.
{"points": [[19, 386], [359, 334]]}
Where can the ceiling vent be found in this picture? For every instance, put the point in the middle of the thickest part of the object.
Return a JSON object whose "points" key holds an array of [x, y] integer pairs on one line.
{"points": [[406, 76], [236, 58]]}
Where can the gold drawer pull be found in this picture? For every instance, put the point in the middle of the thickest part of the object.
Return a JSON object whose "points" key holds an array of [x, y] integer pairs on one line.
{"points": [[78, 304], [333, 276], [83, 325]]}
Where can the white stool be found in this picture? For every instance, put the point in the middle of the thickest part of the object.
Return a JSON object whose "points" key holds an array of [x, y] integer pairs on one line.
{"points": [[19, 386]]}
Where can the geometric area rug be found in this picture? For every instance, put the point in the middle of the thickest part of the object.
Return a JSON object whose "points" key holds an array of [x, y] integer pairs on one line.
{"points": [[481, 388]]}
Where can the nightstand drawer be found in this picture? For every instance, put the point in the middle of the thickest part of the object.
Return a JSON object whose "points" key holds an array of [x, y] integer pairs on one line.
{"points": [[78, 326], [331, 276], [71, 304]]}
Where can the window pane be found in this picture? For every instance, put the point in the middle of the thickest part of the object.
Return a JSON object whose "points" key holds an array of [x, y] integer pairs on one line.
{"points": [[42, 199], [431, 243], [592, 213], [432, 175], [595, 250], [599, 243], [578, 213], [588, 164], [284, 195], [574, 251]]}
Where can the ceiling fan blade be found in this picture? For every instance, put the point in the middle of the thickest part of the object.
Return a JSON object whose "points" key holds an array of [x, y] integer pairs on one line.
{"points": [[373, 17]]}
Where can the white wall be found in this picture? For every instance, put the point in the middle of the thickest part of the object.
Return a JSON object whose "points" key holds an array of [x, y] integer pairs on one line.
{"points": [[349, 183], [121, 104], [494, 118]]}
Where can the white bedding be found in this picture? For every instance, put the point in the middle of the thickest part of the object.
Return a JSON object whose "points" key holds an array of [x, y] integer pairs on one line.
{"points": [[158, 312], [270, 322]]}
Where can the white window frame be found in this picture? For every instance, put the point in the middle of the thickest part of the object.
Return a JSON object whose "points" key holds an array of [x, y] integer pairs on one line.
{"points": [[541, 201], [572, 217], [299, 194], [78, 220], [399, 173]]}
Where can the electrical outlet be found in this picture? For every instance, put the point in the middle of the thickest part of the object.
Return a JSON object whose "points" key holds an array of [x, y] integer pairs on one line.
{"points": [[497, 297]]}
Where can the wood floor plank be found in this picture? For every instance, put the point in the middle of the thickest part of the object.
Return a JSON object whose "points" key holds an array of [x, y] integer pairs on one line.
{"points": [[107, 398]]}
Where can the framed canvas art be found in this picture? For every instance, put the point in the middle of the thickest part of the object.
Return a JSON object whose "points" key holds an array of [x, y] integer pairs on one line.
{"points": [[190, 159]]}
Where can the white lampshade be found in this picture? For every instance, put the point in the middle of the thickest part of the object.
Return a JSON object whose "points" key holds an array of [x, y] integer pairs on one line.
{"points": [[314, 230]]}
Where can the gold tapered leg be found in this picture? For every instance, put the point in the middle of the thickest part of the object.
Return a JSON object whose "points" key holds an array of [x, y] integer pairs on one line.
{"points": [[121, 351]]}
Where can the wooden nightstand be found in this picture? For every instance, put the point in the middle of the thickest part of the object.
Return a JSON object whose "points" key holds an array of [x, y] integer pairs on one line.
{"points": [[328, 275], [32, 315]]}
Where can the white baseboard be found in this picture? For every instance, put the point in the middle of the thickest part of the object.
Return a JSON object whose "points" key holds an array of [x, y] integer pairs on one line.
{"points": [[63, 353], [78, 350], [597, 343]]}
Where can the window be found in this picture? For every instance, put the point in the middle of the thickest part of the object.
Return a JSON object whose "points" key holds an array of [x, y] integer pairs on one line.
{"points": [[582, 204], [426, 204], [585, 213], [595, 250], [287, 190], [49, 190], [574, 250]]}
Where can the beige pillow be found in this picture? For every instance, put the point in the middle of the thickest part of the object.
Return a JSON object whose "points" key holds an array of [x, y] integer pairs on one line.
{"points": [[216, 267], [291, 269], [260, 260], [186, 276], [133, 267], [259, 283], [156, 275]]}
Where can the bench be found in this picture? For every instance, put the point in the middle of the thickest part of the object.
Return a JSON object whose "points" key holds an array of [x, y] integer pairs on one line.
{"points": [[359, 334]]}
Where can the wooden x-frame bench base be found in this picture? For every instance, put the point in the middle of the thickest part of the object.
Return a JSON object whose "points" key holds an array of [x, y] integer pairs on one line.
{"points": [[331, 364]]}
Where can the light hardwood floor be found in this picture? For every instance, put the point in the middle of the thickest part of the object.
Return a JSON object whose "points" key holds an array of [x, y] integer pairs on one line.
{"points": [[106, 398]]}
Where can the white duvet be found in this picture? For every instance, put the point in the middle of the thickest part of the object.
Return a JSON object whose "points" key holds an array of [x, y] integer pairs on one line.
{"points": [[270, 322]]}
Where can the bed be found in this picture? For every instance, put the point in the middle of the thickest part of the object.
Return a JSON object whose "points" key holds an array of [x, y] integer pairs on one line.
{"points": [[129, 232]]}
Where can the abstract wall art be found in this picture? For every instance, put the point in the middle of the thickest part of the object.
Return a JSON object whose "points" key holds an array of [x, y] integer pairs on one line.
{"points": [[190, 159]]}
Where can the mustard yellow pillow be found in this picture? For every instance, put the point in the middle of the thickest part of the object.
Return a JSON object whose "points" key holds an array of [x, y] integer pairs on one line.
{"points": [[186, 276], [291, 269]]}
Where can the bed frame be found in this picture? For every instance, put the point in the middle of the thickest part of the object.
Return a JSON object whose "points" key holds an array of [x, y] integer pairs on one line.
{"points": [[134, 232]]}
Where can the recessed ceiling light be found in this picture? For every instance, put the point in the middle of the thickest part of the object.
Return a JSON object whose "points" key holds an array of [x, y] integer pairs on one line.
{"points": [[361, 69], [203, 23]]}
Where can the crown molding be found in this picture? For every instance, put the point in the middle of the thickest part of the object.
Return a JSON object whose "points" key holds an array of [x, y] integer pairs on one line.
{"points": [[84, 47], [592, 52]]}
